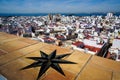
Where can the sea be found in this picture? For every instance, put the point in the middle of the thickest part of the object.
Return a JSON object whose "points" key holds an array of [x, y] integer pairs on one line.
{"points": [[66, 14]]}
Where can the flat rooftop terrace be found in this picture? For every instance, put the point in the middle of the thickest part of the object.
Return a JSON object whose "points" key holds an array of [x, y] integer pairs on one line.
{"points": [[14, 50]]}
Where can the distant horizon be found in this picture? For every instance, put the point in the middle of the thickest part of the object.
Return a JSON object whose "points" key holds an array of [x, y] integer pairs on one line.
{"points": [[66, 14], [63, 13]]}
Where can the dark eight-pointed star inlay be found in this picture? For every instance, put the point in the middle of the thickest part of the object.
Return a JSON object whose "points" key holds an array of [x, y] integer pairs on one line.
{"points": [[47, 61]]}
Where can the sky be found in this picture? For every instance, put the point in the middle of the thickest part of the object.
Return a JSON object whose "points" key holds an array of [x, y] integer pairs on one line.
{"points": [[59, 6]]}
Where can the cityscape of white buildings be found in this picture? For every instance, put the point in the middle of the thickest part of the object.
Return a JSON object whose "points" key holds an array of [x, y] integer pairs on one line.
{"points": [[80, 33]]}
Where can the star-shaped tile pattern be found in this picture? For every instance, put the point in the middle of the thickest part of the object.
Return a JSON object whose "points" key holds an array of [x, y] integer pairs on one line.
{"points": [[47, 61]]}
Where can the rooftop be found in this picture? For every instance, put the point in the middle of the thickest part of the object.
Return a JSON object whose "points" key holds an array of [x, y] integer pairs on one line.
{"points": [[14, 50]]}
